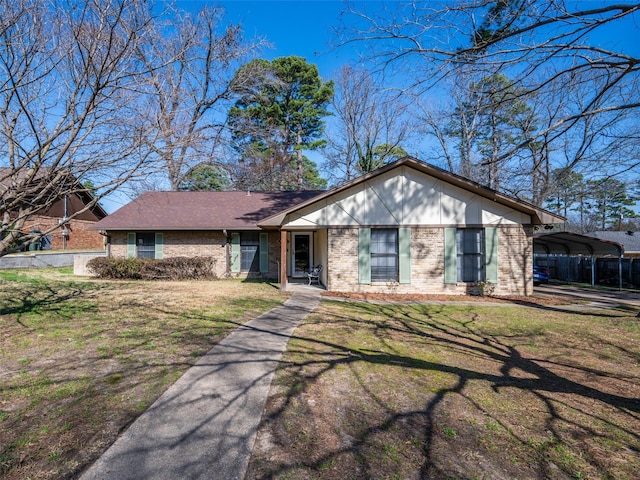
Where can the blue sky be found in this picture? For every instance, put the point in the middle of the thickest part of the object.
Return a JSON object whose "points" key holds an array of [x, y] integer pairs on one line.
{"points": [[293, 27], [305, 28]]}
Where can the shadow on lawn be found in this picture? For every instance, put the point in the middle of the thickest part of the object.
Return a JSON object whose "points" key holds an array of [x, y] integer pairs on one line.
{"points": [[41, 297], [547, 380]]}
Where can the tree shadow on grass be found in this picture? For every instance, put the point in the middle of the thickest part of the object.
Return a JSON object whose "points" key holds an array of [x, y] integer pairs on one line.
{"points": [[55, 299], [575, 403]]}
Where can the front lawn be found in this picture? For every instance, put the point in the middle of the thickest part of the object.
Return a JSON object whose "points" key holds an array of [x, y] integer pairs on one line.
{"points": [[81, 359], [381, 391]]}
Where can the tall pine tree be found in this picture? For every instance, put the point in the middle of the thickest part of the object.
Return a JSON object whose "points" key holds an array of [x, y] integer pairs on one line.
{"points": [[278, 115]]}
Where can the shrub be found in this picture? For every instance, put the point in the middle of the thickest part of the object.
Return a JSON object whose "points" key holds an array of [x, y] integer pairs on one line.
{"points": [[121, 268], [180, 268], [175, 268]]}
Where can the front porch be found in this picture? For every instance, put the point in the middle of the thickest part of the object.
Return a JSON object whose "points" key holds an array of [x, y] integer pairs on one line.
{"points": [[300, 251], [297, 285]]}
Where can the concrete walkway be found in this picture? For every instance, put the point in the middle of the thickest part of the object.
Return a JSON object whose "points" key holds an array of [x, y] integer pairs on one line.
{"points": [[204, 426]]}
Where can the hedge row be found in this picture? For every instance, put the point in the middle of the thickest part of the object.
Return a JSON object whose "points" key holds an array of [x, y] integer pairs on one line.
{"points": [[175, 268]]}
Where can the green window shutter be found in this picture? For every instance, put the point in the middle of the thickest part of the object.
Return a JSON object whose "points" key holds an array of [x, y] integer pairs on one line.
{"points": [[450, 256], [131, 245], [264, 253], [491, 254], [159, 246], [404, 253], [235, 252], [364, 255]]}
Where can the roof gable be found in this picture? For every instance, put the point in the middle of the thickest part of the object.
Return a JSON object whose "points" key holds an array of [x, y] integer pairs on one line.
{"points": [[411, 192], [77, 196]]}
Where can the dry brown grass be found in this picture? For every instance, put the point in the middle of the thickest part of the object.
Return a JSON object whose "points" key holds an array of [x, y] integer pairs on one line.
{"points": [[80, 360]]}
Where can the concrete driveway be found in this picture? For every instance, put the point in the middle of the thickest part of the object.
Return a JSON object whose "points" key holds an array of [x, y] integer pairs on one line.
{"points": [[573, 293]]}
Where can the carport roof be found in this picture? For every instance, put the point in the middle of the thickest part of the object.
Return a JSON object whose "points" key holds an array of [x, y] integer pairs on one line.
{"points": [[565, 243]]}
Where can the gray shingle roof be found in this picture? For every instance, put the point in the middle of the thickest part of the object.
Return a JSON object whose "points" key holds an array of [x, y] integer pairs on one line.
{"points": [[630, 240], [200, 210]]}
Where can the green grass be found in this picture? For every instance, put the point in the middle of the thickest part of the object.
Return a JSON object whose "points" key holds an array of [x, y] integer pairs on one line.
{"points": [[457, 391], [84, 357]]}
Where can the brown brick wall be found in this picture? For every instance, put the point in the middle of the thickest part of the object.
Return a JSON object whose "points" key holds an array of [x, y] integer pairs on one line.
{"points": [[342, 263], [427, 263], [79, 238], [181, 244], [515, 256]]}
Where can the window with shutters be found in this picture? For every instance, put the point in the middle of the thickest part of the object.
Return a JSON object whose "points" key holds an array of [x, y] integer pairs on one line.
{"points": [[146, 245], [384, 254], [470, 254], [250, 251]]}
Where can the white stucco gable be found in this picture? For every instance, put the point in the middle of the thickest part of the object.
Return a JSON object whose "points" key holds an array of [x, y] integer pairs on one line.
{"points": [[404, 196]]}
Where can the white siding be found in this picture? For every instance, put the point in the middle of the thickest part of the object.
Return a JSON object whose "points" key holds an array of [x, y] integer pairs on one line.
{"points": [[405, 196]]}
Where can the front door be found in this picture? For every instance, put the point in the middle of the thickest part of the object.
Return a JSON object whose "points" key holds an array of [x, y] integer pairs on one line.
{"points": [[301, 254]]}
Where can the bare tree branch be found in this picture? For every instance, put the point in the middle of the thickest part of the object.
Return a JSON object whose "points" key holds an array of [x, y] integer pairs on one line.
{"points": [[67, 71]]}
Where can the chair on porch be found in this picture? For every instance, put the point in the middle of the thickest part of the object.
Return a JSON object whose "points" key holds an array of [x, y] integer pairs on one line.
{"points": [[314, 274]]}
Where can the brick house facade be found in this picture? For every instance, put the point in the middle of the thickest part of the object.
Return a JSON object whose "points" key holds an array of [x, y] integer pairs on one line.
{"points": [[201, 244], [406, 228], [427, 266], [78, 234]]}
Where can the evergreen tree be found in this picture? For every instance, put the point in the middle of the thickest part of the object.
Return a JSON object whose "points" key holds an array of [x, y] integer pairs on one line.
{"points": [[608, 203], [203, 178], [278, 114]]}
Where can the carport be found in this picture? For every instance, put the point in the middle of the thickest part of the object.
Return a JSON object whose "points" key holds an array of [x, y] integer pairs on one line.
{"points": [[569, 244]]}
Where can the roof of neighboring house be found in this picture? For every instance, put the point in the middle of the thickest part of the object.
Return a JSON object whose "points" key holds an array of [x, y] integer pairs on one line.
{"points": [[630, 240], [200, 210], [75, 202], [538, 215]]}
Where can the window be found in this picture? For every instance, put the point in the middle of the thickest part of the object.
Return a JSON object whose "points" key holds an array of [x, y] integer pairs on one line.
{"points": [[249, 251], [470, 253], [384, 254], [146, 245]]}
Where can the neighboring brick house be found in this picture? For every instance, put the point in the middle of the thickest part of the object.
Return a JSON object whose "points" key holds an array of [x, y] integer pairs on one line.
{"points": [[406, 228], [72, 230], [73, 234]]}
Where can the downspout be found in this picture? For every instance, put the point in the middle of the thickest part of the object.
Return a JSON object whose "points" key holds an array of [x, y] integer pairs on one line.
{"points": [[107, 242], [65, 232]]}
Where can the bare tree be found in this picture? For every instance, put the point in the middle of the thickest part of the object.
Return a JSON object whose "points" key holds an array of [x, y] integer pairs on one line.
{"points": [[371, 125], [545, 48], [66, 73], [190, 62]]}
